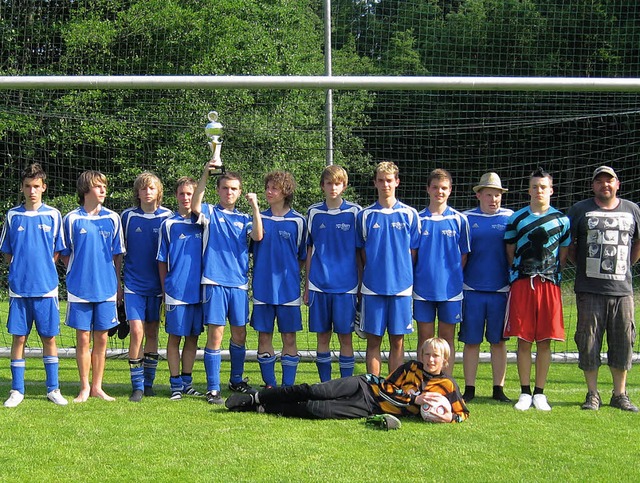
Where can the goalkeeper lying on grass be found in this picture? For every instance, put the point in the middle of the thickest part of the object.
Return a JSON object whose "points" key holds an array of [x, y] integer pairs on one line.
{"points": [[402, 393]]}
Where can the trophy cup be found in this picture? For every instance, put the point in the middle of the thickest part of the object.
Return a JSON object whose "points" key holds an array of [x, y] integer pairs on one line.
{"points": [[213, 130]]}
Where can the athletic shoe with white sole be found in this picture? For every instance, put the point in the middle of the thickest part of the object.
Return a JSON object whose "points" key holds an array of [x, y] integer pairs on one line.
{"points": [[524, 402], [190, 391], [56, 397], [214, 397], [383, 421], [540, 402], [15, 398], [176, 395]]}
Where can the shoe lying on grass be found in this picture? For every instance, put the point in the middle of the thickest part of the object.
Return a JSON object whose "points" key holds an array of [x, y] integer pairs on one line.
{"points": [[383, 421]]}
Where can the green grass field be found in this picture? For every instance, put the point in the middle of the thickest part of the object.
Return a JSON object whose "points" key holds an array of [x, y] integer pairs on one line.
{"points": [[189, 440]]}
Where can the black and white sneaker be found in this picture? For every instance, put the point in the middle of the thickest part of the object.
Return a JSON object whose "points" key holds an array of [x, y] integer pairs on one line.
{"points": [[214, 397], [190, 391], [242, 386], [176, 395], [239, 401]]}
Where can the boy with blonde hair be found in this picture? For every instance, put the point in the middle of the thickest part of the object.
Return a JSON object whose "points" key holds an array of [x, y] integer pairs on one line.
{"points": [[180, 266], [331, 284], [142, 288]]}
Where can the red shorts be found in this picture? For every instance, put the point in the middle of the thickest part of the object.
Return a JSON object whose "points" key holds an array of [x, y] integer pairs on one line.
{"points": [[534, 310]]}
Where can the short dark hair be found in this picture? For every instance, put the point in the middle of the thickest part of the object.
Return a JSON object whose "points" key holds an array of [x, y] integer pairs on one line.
{"points": [[33, 171], [540, 172]]}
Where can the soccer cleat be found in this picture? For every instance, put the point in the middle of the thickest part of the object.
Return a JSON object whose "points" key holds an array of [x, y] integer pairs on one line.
{"points": [[15, 398], [176, 395], [540, 402], [592, 402], [621, 402], [56, 397], [524, 402], [214, 397], [383, 421], [239, 401], [242, 386], [148, 391], [136, 395], [190, 391]]}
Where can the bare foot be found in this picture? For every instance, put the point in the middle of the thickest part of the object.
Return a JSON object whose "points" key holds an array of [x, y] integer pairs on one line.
{"points": [[99, 393], [83, 395]]}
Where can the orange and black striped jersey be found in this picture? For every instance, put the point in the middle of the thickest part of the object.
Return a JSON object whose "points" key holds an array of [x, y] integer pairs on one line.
{"points": [[396, 394]]}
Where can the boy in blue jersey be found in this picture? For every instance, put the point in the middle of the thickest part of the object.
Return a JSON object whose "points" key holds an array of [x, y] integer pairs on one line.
{"points": [[388, 237], [442, 254], [142, 289], [180, 265], [277, 261], [332, 271], [537, 242], [225, 275], [93, 257], [33, 231], [486, 286]]}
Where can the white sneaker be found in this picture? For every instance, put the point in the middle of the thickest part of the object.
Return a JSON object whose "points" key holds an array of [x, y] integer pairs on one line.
{"points": [[56, 398], [524, 402], [15, 398], [540, 402]]}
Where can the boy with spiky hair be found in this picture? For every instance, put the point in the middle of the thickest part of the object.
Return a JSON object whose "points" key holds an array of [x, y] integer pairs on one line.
{"points": [[33, 231], [142, 289], [537, 243], [180, 265], [225, 275], [442, 254], [332, 271], [93, 256], [388, 237], [278, 259]]}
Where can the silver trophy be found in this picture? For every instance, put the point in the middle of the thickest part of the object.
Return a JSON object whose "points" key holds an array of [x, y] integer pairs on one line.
{"points": [[213, 130]]}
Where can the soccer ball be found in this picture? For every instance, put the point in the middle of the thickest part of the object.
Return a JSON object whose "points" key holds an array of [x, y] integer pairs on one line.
{"points": [[436, 409]]}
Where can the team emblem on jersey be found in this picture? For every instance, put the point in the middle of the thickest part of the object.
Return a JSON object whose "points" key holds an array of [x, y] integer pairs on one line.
{"points": [[343, 226], [449, 233], [284, 234], [398, 225], [238, 224], [105, 234], [44, 228]]}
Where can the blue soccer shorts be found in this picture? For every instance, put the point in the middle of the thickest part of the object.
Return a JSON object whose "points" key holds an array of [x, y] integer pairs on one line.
{"points": [[97, 316], [183, 320], [23, 311], [222, 303], [388, 313], [264, 316], [142, 307], [448, 312], [331, 311], [483, 316]]}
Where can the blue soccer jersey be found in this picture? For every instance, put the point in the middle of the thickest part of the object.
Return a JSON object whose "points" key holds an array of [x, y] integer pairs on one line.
{"points": [[180, 247], [226, 247], [487, 268], [36, 236], [443, 240], [91, 243], [537, 240], [141, 232], [332, 238], [387, 236], [277, 257]]}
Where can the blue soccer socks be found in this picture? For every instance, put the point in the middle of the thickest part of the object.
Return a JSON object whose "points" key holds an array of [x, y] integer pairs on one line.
{"points": [[289, 369], [237, 354], [268, 368], [212, 361], [51, 364], [323, 362], [18, 367]]}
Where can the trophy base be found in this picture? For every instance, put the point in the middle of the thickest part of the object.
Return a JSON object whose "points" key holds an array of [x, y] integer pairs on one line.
{"points": [[219, 171]]}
